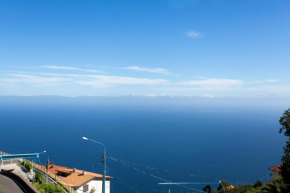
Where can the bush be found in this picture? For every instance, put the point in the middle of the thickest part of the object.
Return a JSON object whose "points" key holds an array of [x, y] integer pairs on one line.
{"points": [[258, 184], [27, 165], [38, 178], [275, 186], [48, 188], [242, 189]]}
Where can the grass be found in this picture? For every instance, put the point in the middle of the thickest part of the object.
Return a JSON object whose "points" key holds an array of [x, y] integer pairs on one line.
{"points": [[1, 190], [43, 187]]}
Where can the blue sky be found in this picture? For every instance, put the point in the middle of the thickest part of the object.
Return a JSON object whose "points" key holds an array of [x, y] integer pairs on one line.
{"points": [[145, 47]]}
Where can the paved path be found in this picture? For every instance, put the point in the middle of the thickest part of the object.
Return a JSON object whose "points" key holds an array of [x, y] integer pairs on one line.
{"points": [[18, 171], [8, 185]]}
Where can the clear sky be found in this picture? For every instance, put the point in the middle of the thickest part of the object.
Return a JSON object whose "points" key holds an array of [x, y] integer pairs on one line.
{"points": [[145, 47]]}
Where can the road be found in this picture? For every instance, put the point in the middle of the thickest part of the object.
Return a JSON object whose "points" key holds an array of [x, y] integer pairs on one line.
{"points": [[8, 185]]}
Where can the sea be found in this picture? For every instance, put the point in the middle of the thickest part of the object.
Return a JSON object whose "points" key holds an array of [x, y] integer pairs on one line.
{"points": [[153, 144]]}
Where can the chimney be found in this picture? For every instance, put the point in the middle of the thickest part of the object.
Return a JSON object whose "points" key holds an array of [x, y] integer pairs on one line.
{"points": [[47, 165], [51, 164], [84, 173], [74, 169]]}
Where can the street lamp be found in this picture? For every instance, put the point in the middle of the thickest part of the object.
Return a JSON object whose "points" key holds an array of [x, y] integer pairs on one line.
{"points": [[33, 162], [104, 163], [42, 152], [222, 186]]}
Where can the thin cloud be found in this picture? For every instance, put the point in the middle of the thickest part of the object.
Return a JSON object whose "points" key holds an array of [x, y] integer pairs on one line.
{"points": [[271, 90], [214, 82], [88, 80], [70, 69], [33, 80], [99, 81], [272, 80], [264, 81], [142, 69], [193, 34], [203, 88]]}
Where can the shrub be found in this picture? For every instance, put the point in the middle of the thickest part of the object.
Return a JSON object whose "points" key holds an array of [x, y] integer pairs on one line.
{"points": [[275, 186], [48, 188], [39, 179], [27, 165]]}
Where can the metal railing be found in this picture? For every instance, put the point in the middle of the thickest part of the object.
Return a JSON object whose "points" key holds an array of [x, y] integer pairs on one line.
{"points": [[65, 185], [54, 176]]}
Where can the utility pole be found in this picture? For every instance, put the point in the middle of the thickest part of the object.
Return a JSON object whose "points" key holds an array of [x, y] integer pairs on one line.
{"points": [[104, 162], [104, 170]]}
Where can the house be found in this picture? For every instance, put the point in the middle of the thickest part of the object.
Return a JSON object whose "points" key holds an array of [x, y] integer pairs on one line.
{"points": [[230, 187], [275, 170], [81, 181]]}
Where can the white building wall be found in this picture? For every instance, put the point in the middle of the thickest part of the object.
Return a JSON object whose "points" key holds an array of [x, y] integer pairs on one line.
{"points": [[97, 185]]}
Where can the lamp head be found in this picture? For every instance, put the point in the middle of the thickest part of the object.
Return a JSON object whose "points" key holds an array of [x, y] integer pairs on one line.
{"points": [[44, 152], [85, 138], [220, 182]]}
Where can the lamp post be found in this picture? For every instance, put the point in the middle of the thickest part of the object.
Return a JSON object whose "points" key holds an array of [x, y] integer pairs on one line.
{"points": [[104, 162], [33, 162], [222, 186]]}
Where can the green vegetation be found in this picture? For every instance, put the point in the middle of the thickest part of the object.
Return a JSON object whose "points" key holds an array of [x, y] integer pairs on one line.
{"points": [[92, 190], [275, 186], [285, 167], [40, 184], [207, 189], [225, 184], [38, 178], [285, 123], [48, 188], [27, 165], [1, 190]]}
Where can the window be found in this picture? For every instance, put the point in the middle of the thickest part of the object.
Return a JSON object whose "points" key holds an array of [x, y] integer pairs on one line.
{"points": [[86, 188]]}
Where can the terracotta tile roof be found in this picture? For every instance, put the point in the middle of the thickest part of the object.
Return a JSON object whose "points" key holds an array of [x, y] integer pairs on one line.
{"points": [[230, 187], [75, 177], [275, 168], [55, 168]]}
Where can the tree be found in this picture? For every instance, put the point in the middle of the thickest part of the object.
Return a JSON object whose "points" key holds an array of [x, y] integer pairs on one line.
{"points": [[225, 185], [207, 189], [275, 186], [242, 189], [285, 123], [285, 166], [39, 179], [258, 184]]}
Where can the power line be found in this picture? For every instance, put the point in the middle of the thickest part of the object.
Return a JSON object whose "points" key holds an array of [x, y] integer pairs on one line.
{"points": [[124, 182], [185, 183], [153, 190], [133, 187], [175, 184], [170, 171], [73, 155], [159, 177]]}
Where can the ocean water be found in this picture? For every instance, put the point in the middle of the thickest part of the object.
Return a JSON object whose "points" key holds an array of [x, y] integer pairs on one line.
{"points": [[194, 140]]}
